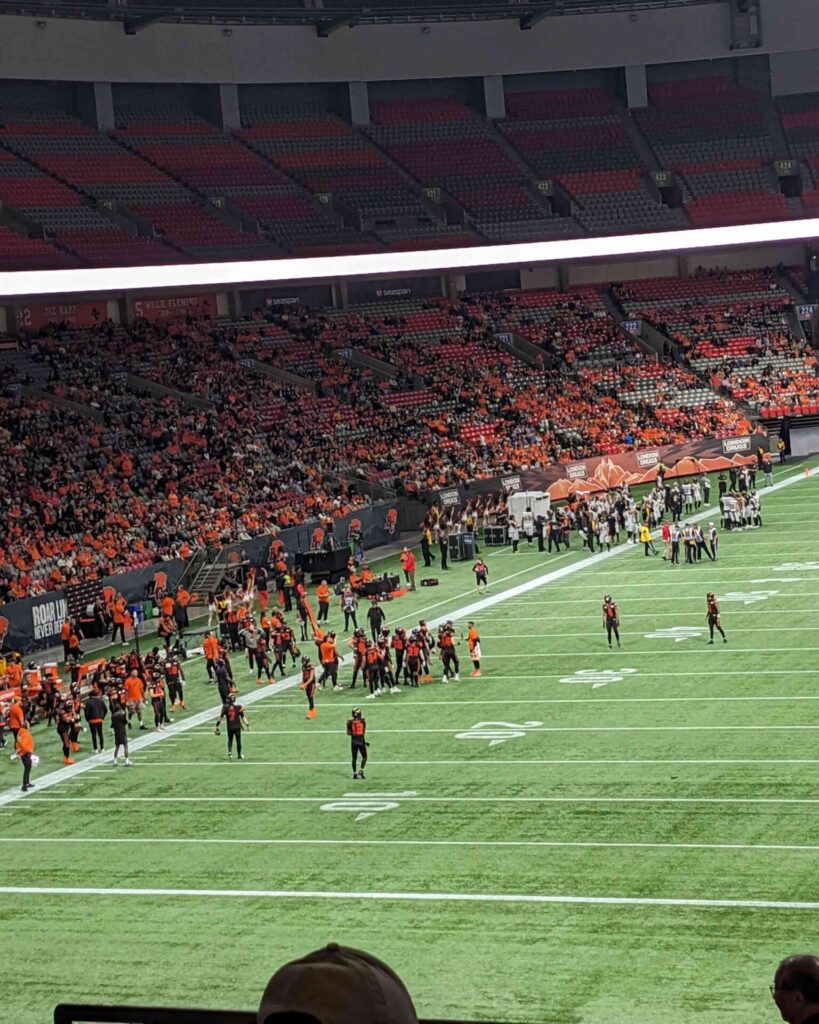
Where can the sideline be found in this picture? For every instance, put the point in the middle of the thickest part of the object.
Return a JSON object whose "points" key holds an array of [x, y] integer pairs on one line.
{"points": [[429, 897], [547, 843], [202, 718]]}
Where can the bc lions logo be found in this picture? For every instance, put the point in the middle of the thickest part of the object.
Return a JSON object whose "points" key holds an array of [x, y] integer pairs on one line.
{"points": [[160, 580], [277, 547], [108, 595], [318, 537], [391, 521], [4, 628], [353, 527]]}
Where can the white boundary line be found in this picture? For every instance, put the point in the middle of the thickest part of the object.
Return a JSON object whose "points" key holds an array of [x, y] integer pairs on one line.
{"points": [[497, 763], [205, 717], [491, 843], [427, 897], [468, 702], [228, 798], [556, 728]]}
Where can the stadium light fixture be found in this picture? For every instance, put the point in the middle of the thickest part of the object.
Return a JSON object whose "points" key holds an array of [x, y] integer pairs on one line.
{"points": [[377, 265]]}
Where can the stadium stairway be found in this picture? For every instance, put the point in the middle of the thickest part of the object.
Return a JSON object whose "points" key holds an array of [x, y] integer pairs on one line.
{"points": [[636, 137]]}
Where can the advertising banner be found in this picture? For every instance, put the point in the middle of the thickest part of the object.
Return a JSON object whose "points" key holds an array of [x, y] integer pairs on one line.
{"points": [[709, 455], [33, 623]]}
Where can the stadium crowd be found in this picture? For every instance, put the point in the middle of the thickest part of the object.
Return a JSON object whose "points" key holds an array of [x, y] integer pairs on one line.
{"points": [[225, 450]]}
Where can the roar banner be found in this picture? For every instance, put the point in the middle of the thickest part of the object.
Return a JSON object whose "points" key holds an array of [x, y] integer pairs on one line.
{"points": [[34, 623]]}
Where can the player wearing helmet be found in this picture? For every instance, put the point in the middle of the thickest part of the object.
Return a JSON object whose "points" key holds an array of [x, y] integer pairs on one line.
{"points": [[357, 730], [358, 643], [712, 618], [175, 677], [449, 657], [611, 619], [386, 678], [399, 645], [308, 684], [261, 659], [413, 657], [328, 656], [234, 716], [371, 669]]}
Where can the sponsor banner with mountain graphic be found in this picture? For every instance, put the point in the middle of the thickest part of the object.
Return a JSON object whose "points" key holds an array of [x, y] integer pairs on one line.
{"points": [[709, 455], [602, 473]]}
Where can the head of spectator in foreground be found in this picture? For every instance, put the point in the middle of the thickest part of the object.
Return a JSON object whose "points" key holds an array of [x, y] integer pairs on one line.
{"points": [[336, 985], [795, 989]]}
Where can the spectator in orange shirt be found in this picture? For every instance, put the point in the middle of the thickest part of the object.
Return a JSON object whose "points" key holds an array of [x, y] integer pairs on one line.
{"points": [[135, 692], [65, 633], [17, 717], [323, 597], [24, 749], [118, 615], [210, 646]]}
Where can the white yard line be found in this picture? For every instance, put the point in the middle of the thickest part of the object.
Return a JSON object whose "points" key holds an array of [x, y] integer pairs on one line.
{"points": [[231, 799], [665, 585], [679, 620], [490, 843], [636, 632], [204, 717], [468, 702], [426, 897], [655, 652], [558, 728], [496, 763]]}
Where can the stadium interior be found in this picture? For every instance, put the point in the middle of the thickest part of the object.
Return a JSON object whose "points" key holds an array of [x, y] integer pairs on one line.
{"points": [[188, 437]]}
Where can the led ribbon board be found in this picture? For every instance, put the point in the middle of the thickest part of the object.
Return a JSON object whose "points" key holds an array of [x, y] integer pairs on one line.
{"points": [[324, 268]]}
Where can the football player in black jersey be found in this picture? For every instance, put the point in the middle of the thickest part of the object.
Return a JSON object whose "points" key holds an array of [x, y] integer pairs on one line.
{"points": [[357, 730], [234, 716]]}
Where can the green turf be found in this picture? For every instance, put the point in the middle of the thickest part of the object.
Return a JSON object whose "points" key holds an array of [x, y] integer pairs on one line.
{"points": [[693, 777]]}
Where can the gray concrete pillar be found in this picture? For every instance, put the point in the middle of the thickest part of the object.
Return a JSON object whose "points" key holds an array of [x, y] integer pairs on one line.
{"points": [[493, 96], [636, 86], [229, 115], [359, 102], [101, 113]]}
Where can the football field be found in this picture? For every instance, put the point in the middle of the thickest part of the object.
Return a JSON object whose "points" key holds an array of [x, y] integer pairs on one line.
{"points": [[581, 835]]}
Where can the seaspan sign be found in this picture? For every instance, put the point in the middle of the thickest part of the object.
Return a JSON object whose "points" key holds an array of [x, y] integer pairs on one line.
{"points": [[736, 445], [645, 460]]}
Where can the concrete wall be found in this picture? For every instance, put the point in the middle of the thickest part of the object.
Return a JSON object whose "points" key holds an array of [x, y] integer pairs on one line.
{"points": [[76, 50], [794, 72], [593, 273]]}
